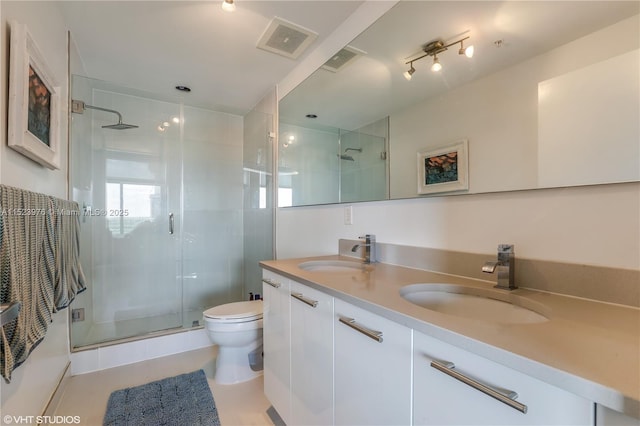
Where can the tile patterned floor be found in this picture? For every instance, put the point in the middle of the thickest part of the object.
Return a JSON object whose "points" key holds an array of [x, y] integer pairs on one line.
{"points": [[86, 395]]}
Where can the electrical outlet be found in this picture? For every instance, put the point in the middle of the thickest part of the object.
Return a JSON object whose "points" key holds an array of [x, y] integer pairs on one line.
{"points": [[77, 315], [348, 215]]}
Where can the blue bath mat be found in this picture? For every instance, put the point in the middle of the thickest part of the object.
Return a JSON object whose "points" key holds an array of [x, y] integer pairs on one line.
{"points": [[181, 400]]}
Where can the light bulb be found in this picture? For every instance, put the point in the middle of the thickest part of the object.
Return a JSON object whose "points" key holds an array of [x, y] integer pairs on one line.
{"points": [[436, 64], [228, 5], [469, 51], [409, 73], [175, 119]]}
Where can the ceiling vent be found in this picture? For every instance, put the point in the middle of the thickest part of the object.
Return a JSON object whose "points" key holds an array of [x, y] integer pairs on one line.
{"points": [[343, 58], [286, 38]]}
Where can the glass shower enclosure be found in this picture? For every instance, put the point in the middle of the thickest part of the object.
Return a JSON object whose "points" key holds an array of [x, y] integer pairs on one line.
{"points": [[162, 221]]}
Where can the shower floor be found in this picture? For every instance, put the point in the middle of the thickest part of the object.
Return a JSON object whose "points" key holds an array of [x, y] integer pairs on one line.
{"points": [[138, 327]]}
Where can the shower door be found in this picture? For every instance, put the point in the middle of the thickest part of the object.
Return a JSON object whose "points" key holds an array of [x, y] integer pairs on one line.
{"points": [[128, 182]]}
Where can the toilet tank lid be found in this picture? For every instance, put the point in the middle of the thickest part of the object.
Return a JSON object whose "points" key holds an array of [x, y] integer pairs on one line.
{"points": [[235, 310]]}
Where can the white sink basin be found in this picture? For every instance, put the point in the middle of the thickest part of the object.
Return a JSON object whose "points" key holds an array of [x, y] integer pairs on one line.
{"points": [[477, 303], [331, 266]]}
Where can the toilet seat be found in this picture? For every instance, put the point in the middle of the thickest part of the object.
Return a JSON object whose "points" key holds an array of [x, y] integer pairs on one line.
{"points": [[235, 312]]}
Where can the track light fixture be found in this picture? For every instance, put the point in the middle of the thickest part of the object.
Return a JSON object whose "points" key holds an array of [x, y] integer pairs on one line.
{"points": [[436, 66], [466, 51], [433, 49], [407, 74]]}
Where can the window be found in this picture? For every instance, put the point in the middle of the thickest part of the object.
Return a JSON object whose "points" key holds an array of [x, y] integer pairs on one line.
{"points": [[129, 205]]}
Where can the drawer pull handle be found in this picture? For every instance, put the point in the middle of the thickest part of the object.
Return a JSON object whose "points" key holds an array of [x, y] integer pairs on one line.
{"points": [[505, 396], [271, 282], [300, 297], [373, 334]]}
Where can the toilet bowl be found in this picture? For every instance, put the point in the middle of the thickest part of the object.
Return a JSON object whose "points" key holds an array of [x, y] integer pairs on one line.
{"points": [[237, 330]]}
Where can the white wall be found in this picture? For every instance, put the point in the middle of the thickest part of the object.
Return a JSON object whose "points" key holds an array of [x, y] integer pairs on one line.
{"points": [[33, 382]]}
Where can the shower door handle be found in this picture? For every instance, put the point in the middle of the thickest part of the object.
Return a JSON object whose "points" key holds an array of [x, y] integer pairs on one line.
{"points": [[171, 223]]}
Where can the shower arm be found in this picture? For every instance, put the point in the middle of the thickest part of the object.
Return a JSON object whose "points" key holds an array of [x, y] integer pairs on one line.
{"points": [[106, 110]]}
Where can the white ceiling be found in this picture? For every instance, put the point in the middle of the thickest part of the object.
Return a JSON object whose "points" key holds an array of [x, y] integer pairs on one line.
{"points": [[155, 45], [373, 86]]}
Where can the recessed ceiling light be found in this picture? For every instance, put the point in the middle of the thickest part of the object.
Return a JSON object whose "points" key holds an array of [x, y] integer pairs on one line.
{"points": [[228, 5], [183, 88], [311, 116]]}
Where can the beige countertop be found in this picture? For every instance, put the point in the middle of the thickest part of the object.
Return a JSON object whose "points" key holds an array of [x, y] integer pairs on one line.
{"points": [[586, 347]]}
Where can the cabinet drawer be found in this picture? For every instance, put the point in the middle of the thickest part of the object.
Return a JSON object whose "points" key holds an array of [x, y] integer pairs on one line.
{"points": [[459, 392]]}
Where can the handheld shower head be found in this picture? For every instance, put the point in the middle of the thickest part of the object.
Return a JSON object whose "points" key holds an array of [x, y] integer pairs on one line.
{"points": [[346, 157]]}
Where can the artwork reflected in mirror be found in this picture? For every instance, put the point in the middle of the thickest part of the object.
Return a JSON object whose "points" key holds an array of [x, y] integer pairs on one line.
{"points": [[443, 169]]}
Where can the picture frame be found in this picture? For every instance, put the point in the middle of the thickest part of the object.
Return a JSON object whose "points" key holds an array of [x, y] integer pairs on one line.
{"points": [[443, 169], [34, 101]]}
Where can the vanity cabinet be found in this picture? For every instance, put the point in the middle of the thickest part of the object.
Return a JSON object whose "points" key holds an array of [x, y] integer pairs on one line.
{"points": [[450, 384], [372, 368], [277, 342], [311, 356]]}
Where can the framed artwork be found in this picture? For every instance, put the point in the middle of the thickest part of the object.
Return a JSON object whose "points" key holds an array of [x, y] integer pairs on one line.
{"points": [[34, 101], [443, 169]]}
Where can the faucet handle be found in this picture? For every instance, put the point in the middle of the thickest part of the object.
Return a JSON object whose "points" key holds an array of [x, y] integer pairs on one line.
{"points": [[505, 248]]}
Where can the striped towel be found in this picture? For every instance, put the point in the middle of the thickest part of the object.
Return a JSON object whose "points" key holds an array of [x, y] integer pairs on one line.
{"points": [[39, 266]]}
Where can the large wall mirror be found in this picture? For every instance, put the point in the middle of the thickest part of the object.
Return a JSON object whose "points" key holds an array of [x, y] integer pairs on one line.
{"points": [[550, 98]]}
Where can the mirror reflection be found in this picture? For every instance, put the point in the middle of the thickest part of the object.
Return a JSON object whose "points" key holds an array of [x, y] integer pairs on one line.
{"points": [[549, 98]]}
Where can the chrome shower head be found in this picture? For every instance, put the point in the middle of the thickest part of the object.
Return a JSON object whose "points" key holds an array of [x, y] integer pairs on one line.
{"points": [[120, 126], [79, 106]]}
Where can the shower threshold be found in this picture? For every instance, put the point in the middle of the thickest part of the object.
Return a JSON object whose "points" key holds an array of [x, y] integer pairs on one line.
{"points": [[108, 334]]}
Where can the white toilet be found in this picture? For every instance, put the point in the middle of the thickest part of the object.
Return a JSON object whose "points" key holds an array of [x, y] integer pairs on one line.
{"points": [[237, 330]]}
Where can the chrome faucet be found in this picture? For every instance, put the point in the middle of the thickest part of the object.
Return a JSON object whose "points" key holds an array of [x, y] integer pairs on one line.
{"points": [[505, 265], [368, 248]]}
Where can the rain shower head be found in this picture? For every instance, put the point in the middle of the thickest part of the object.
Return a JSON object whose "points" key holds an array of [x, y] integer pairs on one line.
{"points": [[120, 126], [79, 107]]}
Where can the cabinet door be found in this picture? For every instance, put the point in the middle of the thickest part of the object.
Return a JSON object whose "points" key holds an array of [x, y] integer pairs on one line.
{"points": [[311, 356], [372, 368], [440, 399], [276, 342]]}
